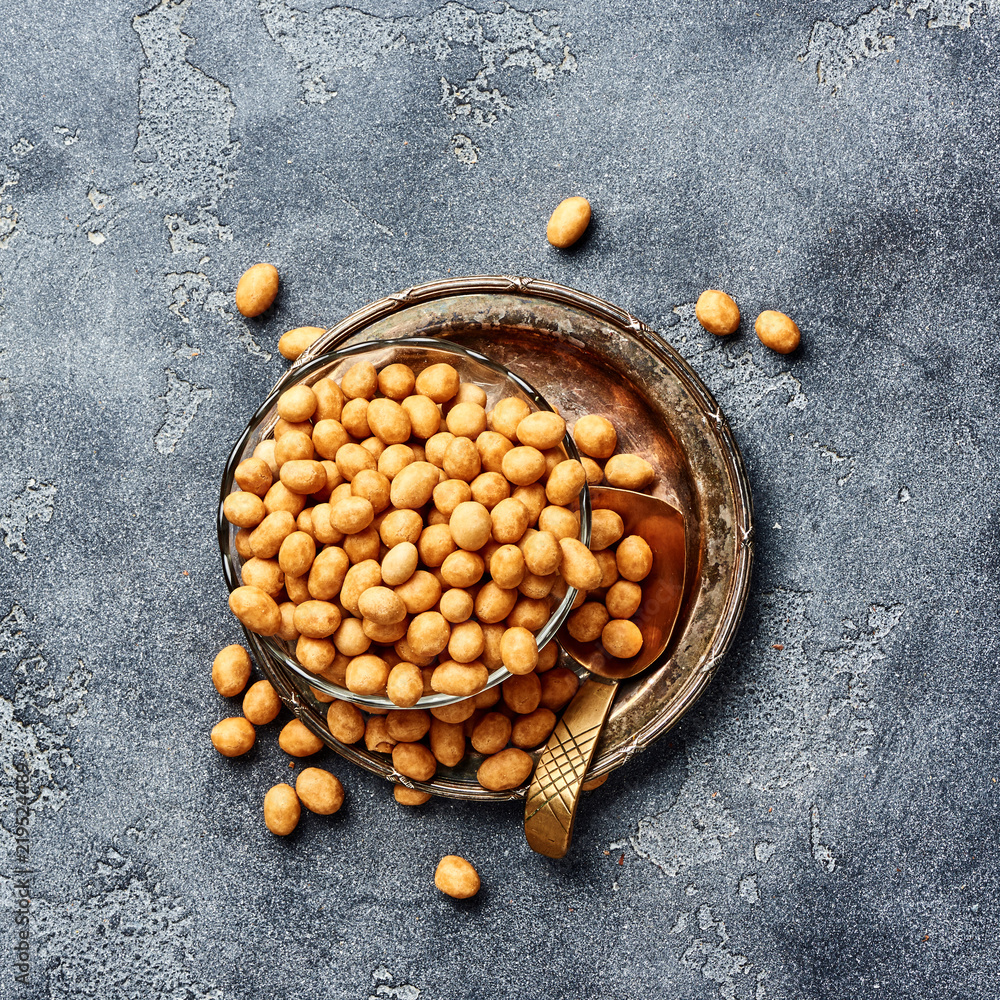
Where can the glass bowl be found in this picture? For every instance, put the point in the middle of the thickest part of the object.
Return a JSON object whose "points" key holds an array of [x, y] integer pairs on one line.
{"points": [[496, 381]]}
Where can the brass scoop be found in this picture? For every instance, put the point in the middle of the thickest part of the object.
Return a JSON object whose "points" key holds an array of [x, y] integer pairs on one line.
{"points": [[550, 806]]}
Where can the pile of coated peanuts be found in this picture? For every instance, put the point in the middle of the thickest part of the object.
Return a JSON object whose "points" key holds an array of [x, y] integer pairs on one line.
{"points": [[409, 542]]}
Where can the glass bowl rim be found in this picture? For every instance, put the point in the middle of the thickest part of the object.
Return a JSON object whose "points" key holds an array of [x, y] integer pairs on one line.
{"points": [[298, 373]]}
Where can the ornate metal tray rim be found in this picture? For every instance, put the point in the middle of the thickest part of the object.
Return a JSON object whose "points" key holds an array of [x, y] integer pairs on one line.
{"points": [[717, 425]]}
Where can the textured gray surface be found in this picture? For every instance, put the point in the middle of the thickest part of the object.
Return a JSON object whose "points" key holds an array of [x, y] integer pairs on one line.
{"points": [[824, 824]]}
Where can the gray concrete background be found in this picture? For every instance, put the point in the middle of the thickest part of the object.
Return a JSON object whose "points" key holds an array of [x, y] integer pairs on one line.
{"points": [[824, 823]]}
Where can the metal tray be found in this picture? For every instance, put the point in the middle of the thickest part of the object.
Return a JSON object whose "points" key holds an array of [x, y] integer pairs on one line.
{"points": [[586, 356]]}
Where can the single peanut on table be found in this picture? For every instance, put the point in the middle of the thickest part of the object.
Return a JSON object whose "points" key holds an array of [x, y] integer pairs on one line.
{"points": [[457, 878], [717, 312], [777, 331], [257, 289], [568, 222]]}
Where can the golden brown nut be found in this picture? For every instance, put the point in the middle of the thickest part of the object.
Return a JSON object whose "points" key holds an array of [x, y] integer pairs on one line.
{"points": [[382, 606], [256, 289], [622, 638], [394, 459], [409, 796], [464, 679], [466, 419], [470, 525], [253, 475], [265, 451], [420, 593], [634, 558], [414, 760], [493, 603], [533, 729], [407, 725], [462, 569], [559, 522], [542, 430], [521, 693], [280, 497], [717, 312], [579, 567], [345, 722], [623, 599], [298, 741], [629, 472], [507, 567], [449, 494], [296, 553], [316, 619], [466, 642], [491, 733], [606, 527], [438, 382], [490, 489], [492, 447], [245, 510], [587, 623], [447, 741], [424, 414], [281, 810], [327, 573], [315, 654], [414, 486], [233, 737], [400, 526], [523, 465], [329, 400], [595, 474], [328, 437], [455, 877], [565, 482], [595, 436], [261, 703], [319, 791], [461, 459], [568, 222], [264, 574], [519, 650], [297, 403], [389, 422], [359, 381], [256, 609], [505, 770], [367, 674], [405, 685], [777, 331], [294, 342], [399, 564], [396, 381], [558, 687], [231, 670], [376, 737]]}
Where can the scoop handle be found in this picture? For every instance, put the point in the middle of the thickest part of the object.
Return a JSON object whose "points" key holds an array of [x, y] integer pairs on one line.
{"points": [[550, 806]]}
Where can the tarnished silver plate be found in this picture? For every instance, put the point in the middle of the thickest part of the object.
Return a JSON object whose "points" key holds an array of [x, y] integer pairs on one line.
{"points": [[588, 356]]}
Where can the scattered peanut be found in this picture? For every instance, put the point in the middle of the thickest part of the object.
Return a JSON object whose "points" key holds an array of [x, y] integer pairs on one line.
{"points": [[717, 312], [568, 222], [281, 810], [455, 877], [256, 289], [233, 737], [231, 670], [777, 331]]}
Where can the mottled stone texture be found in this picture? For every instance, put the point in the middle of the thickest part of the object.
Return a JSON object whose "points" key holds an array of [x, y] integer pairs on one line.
{"points": [[824, 823]]}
